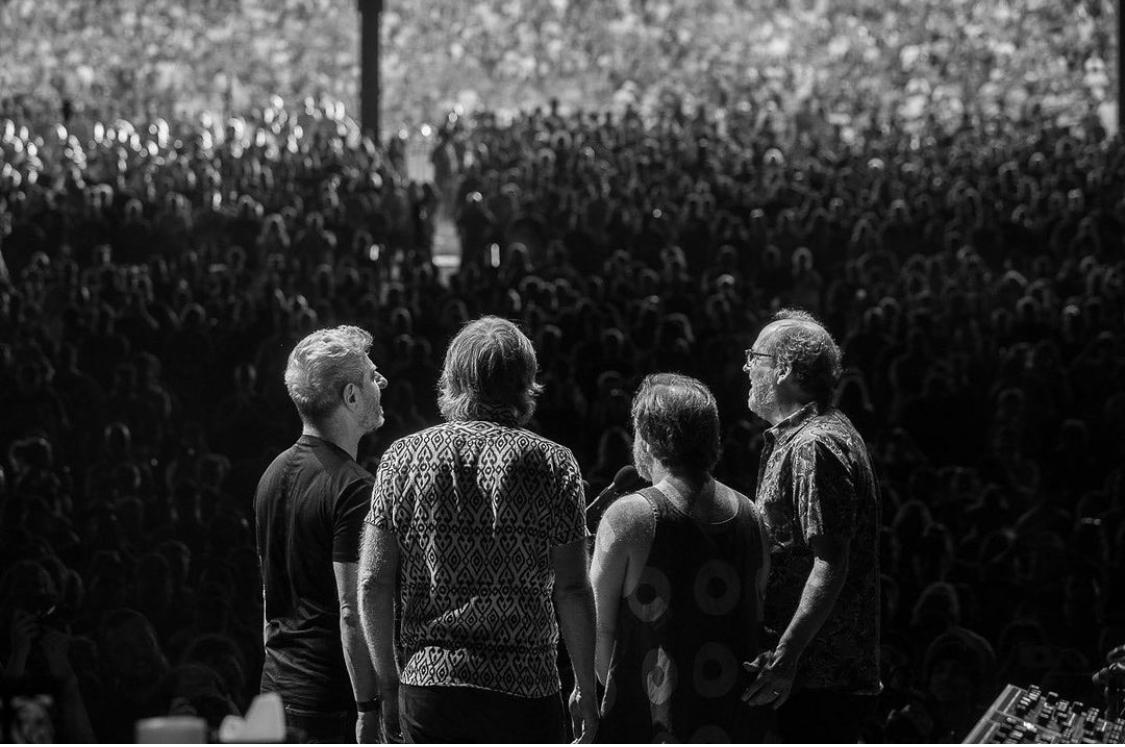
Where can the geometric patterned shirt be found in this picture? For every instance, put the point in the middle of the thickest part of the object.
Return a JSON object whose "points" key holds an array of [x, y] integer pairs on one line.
{"points": [[815, 480], [476, 507]]}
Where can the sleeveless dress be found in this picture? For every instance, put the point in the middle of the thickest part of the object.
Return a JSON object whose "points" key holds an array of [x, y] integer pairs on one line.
{"points": [[682, 635]]}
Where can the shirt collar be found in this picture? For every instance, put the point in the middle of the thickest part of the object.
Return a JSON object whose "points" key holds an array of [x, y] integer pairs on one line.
{"points": [[308, 439], [787, 428], [503, 415]]}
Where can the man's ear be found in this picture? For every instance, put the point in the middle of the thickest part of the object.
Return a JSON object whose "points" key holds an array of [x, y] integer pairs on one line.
{"points": [[788, 384], [784, 373], [351, 395]]}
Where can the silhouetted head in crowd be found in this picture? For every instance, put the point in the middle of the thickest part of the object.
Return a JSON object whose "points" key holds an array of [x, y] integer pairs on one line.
{"points": [[225, 658], [614, 449], [196, 689], [28, 587], [131, 657], [959, 668]]}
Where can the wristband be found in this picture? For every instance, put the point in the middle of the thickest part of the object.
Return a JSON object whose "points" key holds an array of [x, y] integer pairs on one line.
{"points": [[367, 706]]}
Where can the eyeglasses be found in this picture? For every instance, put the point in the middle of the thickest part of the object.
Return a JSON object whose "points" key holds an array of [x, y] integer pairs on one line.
{"points": [[751, 354]]}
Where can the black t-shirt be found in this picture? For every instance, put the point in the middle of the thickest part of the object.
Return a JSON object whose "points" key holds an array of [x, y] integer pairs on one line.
{"points": [[309, 508]]}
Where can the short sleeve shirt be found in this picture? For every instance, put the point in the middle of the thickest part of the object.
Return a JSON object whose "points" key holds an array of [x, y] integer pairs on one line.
{"points": [[308, 509], [816, 480], [476, 508]]}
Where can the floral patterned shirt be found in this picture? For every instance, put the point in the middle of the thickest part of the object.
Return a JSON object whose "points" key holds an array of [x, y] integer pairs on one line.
{"points": [[816, 480], [476, 507]]}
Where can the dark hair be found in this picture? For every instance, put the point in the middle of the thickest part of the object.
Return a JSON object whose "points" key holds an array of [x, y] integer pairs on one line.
{"points": [[961, 644], [678, 418], [489, 374], [813, 356]]}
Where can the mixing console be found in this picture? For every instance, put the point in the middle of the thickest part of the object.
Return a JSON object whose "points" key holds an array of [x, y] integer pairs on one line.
{"points": [[1021, 716]]}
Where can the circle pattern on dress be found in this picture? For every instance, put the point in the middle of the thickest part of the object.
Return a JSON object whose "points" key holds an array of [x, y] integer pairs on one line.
{"points": [[715, 670], [659, 676], [649, 601], [710, 734], [717, 587]]}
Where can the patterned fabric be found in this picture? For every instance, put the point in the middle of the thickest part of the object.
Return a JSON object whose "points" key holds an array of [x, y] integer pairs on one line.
{"points": [[815, 480], [684, 632], [476, 507]]}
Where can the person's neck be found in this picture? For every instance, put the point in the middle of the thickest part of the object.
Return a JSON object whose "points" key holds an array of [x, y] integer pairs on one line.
{"points": [[786, 410], [683, 484], [696, 496], [335, 432]]}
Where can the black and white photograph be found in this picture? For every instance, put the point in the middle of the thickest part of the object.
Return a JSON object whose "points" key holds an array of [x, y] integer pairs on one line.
{"points": [[562, 371]]}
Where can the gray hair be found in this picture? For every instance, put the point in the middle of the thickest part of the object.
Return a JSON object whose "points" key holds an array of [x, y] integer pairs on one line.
{"points": [[678, 418], [809, 350], [321, 365], [489, 374]]}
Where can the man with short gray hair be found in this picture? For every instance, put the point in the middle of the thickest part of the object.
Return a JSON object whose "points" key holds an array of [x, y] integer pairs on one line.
{"points": [[819, 497], [309, 510]]}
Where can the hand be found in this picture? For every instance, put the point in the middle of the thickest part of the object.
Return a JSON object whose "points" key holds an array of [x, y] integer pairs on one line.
{"points": [[584, 715], [775, 672], [368, 728], [392, 727]]}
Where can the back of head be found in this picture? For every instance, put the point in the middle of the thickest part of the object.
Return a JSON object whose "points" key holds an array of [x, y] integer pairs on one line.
{"points": [[963, 645], [27, 585], [130, 649], [802, 342], [678, 418], [321, 365], [489, 374]]}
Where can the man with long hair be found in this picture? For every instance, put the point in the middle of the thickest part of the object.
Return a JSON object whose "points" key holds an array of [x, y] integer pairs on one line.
{"points": [[480, 523]]}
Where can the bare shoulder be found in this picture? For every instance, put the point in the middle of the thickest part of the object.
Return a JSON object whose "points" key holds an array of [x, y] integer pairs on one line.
{"points": [[628, 520], [733, 500]]}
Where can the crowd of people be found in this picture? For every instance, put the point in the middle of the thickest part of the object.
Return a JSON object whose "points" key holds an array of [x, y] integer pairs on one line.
{"points": [[851, 60], [156, 277]]}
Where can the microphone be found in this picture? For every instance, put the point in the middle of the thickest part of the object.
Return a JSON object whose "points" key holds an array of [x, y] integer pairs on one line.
{"points": [[624, 481]]}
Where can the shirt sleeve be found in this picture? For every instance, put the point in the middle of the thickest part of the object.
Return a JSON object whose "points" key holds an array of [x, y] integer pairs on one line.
{"points": [[569, 507], [825, 492], [350, 510], [381, 513]]}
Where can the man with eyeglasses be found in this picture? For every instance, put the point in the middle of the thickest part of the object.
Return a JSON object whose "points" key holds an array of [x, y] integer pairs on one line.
{"points": [[819, 497]]}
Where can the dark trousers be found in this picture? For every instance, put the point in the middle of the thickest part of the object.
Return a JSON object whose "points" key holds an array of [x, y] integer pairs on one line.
{"points": [[823, 717], [322, 728], [468, 714]]}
